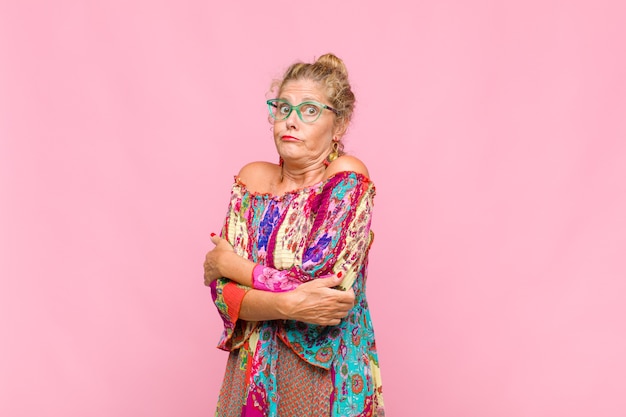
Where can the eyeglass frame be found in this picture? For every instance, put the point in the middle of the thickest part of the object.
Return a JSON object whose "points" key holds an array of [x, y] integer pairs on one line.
{"points": [[272, 103]]}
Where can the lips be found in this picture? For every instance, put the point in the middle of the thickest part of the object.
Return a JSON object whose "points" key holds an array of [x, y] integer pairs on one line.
{"points": [[288, 138]]}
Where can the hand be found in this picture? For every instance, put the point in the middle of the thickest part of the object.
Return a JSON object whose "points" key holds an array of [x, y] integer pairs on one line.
{"points": [[316, 302], [212, 258]]}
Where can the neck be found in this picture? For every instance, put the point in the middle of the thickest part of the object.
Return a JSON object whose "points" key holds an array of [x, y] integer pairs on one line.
{"points": [[298, 177]]}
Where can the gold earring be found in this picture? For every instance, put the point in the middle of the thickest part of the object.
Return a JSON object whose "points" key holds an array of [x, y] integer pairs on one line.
{"points": [[334, 154]]}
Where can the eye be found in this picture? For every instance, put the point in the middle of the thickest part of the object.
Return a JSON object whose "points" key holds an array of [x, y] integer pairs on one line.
{"points": [[310, 110], [283, 108]]}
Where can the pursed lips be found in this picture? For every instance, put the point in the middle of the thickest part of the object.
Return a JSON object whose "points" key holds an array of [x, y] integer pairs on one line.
{"points": [[288, 138]]}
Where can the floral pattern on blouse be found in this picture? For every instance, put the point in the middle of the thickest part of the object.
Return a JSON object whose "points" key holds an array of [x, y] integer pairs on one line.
{"points": [[294, 238], [269, 279]]}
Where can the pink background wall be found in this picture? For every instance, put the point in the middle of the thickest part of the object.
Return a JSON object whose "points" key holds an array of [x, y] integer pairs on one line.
{"points": [[495, 132]]}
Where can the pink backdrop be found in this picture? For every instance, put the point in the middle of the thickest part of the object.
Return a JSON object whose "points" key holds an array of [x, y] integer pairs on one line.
{"points": [[495, 132]]}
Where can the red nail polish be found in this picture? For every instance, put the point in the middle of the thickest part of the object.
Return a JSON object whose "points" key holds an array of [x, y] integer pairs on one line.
{"points": [[339, 274], [212, 234]]}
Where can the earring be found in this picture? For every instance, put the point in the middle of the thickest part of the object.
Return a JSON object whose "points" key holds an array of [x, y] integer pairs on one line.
{"points": [[281, 162], [334, 154]]}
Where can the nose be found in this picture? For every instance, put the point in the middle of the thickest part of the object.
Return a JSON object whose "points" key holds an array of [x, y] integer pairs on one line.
{"points": [[292, 120]]}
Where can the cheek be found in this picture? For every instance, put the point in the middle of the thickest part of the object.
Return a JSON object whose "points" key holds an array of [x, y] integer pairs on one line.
{"points": [[327, 134], [321, 140], [275, 129]]}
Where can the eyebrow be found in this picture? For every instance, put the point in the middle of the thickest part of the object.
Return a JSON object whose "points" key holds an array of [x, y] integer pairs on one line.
{"points": [[307, 98]]}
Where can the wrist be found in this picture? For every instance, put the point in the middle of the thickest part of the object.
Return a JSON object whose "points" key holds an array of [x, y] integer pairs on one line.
{"points": [[225, 263], [219, 262], [283, 305]]}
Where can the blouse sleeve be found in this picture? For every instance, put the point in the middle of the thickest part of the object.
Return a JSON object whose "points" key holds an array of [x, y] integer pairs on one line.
{"points": [[228, 295], [339, 240]]}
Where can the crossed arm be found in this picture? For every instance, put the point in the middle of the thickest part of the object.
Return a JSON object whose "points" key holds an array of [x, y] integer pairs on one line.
{"points": [[314, 302], [260, 291]]}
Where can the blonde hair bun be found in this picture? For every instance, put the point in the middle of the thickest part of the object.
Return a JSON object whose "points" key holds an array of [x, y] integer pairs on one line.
{"points": [[332, 61]]}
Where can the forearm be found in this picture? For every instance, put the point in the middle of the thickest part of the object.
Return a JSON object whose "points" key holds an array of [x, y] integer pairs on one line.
{"points": [[263, 305], [314, 302], [236, 268]]}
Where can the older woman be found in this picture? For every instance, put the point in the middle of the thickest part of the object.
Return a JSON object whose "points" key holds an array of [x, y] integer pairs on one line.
{"points": [[288, 273]]}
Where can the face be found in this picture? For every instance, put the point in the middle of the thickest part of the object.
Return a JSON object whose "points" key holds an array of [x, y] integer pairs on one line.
{"points": [[299, 142]]}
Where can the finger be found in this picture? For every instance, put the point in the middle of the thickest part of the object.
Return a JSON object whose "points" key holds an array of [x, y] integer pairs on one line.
{"points": [[350, 298], [330, 280], [215, 239], [346, 301], [224, 244]]}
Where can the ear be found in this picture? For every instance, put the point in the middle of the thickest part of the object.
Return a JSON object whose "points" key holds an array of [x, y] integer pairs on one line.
{"points": [[340, 130]]}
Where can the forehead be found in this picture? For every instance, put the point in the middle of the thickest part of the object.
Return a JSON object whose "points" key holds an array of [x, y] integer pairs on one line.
{"points": [[301, 90]]}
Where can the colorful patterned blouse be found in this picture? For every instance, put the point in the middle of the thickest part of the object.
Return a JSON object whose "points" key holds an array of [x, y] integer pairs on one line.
{"points": [[299, 236]]}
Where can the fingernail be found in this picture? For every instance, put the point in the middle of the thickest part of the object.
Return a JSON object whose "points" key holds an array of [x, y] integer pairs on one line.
{"points": [[212, 234], [339, 274]]}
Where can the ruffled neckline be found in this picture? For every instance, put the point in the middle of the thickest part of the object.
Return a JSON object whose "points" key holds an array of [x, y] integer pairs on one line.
{"points": [[298, 191]]}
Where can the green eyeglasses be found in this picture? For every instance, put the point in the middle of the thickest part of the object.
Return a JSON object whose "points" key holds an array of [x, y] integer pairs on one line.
{"points": [[308, 111]]}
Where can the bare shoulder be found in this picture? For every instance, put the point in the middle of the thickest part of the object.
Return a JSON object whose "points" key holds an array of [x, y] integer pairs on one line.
{"points": [[257, 175], [346, 163]]}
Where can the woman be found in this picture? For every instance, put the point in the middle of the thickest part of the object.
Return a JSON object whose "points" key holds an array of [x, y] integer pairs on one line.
{"points": [[288, 274]]}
